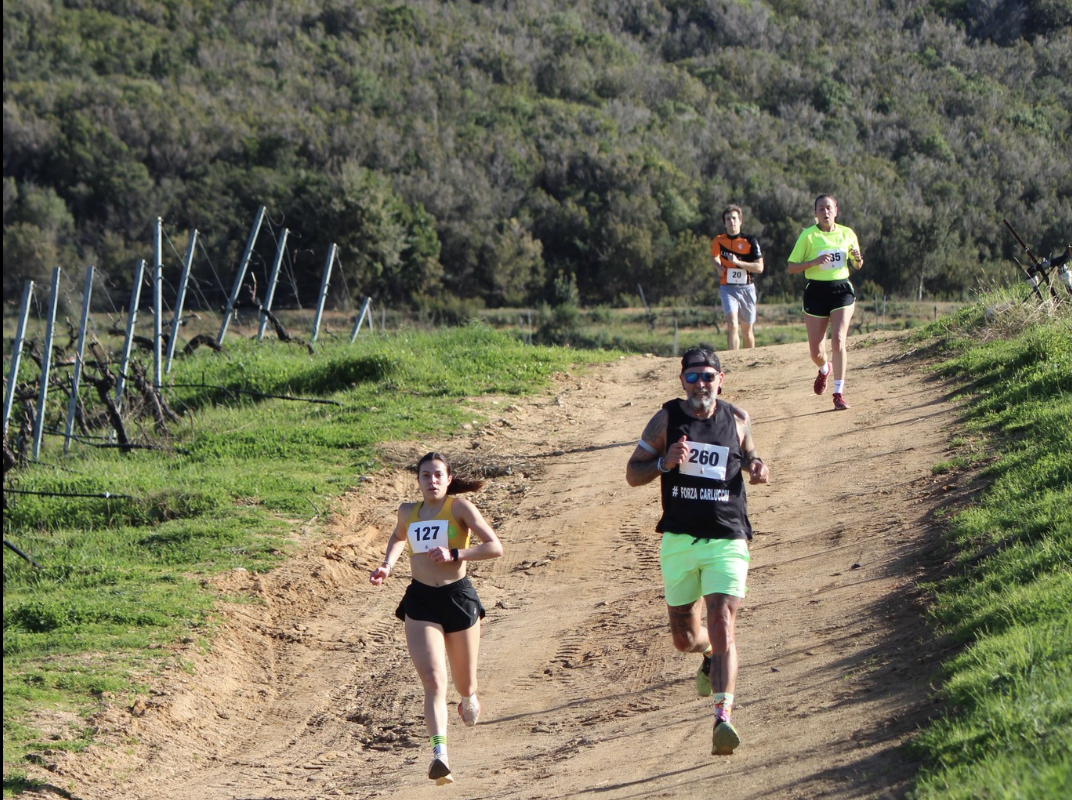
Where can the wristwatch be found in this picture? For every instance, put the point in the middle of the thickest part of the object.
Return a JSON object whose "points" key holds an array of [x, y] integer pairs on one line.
{"points": [[659, 464]]}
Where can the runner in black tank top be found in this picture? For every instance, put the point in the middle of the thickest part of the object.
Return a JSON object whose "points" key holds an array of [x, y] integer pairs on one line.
{"points": [[700, 448], [703, 505]]}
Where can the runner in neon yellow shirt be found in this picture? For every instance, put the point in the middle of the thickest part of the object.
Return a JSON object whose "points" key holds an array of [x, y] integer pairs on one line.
{"points": [[824, 252]]}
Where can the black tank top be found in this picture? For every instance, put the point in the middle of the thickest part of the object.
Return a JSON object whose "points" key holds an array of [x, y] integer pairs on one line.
{"points": [[705, 496]]}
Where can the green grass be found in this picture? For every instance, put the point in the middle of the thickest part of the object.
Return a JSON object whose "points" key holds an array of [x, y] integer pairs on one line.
{"points": [[1009, 599], [119, 582], [632, 330]]}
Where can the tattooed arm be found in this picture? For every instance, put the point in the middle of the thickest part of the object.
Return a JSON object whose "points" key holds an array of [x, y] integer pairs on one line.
{"points": [[643, 466]]}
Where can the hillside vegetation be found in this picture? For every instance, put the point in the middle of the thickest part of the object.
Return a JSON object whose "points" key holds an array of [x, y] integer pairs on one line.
{"points": [[482, 150]]}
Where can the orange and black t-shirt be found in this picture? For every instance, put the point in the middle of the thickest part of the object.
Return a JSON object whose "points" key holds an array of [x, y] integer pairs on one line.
{"points": [[744, 247]]}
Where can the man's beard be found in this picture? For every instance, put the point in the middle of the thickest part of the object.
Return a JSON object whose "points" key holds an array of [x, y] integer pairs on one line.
{"points": [[701, 403]]}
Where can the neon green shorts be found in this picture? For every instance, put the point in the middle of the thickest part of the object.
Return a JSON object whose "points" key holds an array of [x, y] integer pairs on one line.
{"points": [[693, 568]]}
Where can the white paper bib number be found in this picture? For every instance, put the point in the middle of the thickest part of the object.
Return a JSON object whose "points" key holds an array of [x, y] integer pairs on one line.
{"points": [[426, 534], [736, 276], [706, 461], [838, 259]]}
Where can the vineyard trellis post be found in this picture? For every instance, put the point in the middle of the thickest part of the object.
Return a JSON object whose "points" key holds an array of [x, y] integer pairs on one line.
{"points": [[323, 292], [46, 363], [132, 318], [187, 264], [79, 355], [241, 274], [158, 300], [366, 309], [16, 351], [269, 293]]}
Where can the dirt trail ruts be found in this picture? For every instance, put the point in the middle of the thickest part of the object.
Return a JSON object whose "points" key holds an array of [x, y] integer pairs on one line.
{"points": [[309, 692]]}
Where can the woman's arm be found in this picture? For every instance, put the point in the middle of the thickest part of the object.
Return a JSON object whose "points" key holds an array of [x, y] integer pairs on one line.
{"points": [[395, 545], [490, 546], [795, 267]]}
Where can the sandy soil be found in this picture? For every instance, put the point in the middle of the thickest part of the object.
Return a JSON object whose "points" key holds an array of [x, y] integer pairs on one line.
{"points": [[310, 693]]}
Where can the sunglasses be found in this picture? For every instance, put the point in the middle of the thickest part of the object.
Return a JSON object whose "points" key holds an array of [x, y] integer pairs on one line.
{"points": [[706, 377]]}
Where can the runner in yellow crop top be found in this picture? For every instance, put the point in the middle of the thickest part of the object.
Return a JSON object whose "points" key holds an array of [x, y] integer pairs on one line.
{"points": [[441, 609]]}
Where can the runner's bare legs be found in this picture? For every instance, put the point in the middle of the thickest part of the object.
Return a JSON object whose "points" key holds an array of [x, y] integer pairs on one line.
{"points": [[721, 630], [687, 628], [840, 318], [427, 648], [816, 338]]}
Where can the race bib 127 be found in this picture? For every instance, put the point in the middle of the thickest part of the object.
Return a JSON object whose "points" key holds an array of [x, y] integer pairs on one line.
{"points": [[426, 534]]}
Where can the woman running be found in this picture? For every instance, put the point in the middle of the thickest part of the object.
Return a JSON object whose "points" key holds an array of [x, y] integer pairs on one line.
{"points": [[441, 609], [824, 252]]}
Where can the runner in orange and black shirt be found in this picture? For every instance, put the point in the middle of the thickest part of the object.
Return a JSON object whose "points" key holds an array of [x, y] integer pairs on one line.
{"points": [[739, 260]]}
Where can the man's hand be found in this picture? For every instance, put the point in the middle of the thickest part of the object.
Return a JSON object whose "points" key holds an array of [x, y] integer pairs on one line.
{"points": [[677, 454], [758, 472]]}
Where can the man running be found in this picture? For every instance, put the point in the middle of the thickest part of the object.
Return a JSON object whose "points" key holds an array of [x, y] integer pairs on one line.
{"points": [[700, 449], [739, 260]]}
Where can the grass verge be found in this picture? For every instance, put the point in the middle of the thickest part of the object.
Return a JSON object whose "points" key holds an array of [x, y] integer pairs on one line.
{"points": [[1009, 600]]}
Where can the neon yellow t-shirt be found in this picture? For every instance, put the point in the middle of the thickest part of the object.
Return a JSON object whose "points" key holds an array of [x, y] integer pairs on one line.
{"points": [[813, 242]]}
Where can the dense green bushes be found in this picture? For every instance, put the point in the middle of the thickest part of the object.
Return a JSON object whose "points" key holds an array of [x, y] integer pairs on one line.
{"points": [[479, 149]]}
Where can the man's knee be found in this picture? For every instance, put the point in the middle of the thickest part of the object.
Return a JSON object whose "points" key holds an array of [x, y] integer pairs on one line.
{"points": [[686, 634], [721, 623], [685, 640], [722, 638]]}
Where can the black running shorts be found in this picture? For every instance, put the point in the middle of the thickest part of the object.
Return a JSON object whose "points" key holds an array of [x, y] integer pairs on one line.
{"points": [[822, 297], [455, 606]]}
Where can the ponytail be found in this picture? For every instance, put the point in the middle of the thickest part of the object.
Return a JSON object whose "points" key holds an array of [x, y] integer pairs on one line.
{"points": [[458, 484]]}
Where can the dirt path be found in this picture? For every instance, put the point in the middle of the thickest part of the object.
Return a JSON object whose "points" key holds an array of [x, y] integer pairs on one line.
{"points": [[311, 694]]}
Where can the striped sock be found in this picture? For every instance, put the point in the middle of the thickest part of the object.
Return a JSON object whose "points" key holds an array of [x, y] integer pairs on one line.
{"points": [[439, 745], [723, 705]]}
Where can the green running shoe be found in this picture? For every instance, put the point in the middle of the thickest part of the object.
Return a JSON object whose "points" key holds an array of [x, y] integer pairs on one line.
{"points": [[703, 678], [724, 738]]}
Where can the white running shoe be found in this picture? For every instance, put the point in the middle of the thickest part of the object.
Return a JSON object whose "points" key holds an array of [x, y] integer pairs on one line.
{"points": [[439, 771], [469, 711]]}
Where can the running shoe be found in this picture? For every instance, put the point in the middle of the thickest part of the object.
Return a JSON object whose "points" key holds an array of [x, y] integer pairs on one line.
{"points": [[724, 737], [839, 402], [440, 772], [820, 382], [703, 678], [469, 711]]}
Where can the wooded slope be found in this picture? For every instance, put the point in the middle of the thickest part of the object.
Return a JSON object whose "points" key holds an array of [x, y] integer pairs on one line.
{"points": [[480, 150]]}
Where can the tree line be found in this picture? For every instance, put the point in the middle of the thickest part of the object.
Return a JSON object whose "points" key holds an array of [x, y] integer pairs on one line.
{"points": [[491, 151]]}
